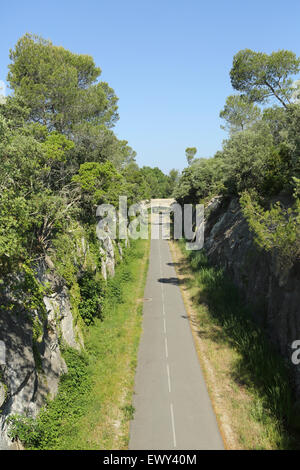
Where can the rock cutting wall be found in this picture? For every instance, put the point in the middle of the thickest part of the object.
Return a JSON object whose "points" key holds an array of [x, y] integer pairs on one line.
{"points": [[31, 370], [274, 295]]}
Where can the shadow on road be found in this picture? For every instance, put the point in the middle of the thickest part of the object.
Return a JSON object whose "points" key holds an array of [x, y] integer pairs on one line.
{"points": [[170, 280]]}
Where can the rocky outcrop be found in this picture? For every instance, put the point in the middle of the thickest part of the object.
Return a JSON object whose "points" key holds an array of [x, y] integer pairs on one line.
{"points": [[108, 257], [33, 365], [273, 294]]}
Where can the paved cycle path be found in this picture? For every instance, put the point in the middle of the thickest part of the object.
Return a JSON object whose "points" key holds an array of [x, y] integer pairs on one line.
{"points": [[172, 405]]}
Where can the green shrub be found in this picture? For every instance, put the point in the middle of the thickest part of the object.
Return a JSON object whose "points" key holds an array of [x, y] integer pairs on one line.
{"points": [[125, 275], [276, 230], [25, 429], [63, 412], [115, 291], [92, 292]]}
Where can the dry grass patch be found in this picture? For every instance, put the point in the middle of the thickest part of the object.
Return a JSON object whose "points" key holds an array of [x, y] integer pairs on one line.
{"points": [[245, 418]]}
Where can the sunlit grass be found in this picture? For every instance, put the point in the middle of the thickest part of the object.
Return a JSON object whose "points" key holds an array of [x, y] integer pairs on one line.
{"points": [[253, 379], [93, 407], [112, 350]]}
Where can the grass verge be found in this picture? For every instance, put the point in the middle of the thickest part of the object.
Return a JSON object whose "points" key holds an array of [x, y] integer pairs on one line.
{"points": [[247, 380], [93, 407]]}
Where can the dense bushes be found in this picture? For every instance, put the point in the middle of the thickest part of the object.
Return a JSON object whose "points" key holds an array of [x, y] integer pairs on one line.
{"points": [[59, 157], [249, 160], [276, 229], [92, 292]]}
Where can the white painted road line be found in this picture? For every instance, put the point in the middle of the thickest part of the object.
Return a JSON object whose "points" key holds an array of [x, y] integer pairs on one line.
{"points": [[172, 405], [173, 424], [166, 347], [169, 378]]}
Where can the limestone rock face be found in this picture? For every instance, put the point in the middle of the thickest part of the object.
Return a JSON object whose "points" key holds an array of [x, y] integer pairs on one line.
{"points": [[275, 297], [19, 373], [109, 260], [32, 366], [61, 320], [32, 369], [2, 394]]}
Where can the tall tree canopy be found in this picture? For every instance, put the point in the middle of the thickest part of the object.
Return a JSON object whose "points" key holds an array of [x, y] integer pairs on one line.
{"points": [[262, 151], [261, 76], [239, 113], [59, 87], [59, 156], [190, 153]]}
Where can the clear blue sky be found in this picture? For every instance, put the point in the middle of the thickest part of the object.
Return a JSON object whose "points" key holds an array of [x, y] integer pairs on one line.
{"points": [[168, 60]]}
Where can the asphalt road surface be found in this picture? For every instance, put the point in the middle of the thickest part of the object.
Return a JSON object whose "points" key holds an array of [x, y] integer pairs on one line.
{"points": [[172, 405]]}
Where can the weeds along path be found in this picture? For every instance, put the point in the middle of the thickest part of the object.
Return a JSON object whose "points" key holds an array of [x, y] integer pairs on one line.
{"points": [[93, 407]]}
